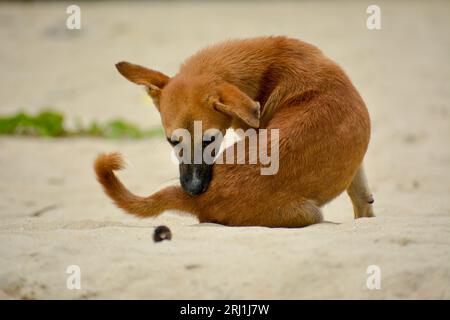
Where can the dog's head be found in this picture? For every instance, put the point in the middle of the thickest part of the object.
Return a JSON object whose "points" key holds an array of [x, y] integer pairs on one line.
{"points": [[181, 101]]}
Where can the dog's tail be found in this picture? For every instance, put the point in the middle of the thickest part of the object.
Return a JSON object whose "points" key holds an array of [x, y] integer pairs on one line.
{"points": [[168, 198]]}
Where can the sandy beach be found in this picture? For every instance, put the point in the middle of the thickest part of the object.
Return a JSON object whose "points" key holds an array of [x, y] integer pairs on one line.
{"points": [[53, 213]]}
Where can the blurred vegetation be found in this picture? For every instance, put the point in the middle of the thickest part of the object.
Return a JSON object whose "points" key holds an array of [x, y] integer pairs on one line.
{"points": [[50, 123]]}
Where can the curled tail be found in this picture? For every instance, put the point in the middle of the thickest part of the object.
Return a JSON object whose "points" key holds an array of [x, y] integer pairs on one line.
{"points": [[168, 198]]}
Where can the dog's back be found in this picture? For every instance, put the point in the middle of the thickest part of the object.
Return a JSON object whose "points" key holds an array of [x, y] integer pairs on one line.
{"points": [[272, 70]]}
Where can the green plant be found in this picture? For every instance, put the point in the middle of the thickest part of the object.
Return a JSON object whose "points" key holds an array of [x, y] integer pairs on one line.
{"points": [[51, 124], [47, 124]]}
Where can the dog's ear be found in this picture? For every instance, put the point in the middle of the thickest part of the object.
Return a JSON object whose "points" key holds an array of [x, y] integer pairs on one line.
{"points": [[235, 103], [153, 80]]}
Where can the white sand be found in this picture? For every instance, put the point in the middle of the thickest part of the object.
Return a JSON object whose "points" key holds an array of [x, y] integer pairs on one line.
{"points": [[402, 71]]}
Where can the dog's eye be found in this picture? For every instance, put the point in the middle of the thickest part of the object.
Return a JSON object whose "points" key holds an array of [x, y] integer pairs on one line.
{"points": [[208, 142], [173, 142]]}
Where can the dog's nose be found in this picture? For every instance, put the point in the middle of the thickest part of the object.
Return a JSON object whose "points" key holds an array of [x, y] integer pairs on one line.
{"points": [[195, 179], [195, 186]]}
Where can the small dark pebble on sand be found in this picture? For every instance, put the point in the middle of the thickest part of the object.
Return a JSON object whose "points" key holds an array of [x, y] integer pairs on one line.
{"points": [[162, 233]]}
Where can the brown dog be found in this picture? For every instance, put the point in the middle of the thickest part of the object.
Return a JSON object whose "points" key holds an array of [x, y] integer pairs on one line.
{"points": [[324, 131]]}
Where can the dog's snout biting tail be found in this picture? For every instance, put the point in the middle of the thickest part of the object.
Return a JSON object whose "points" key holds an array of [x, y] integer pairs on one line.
{"points": [[169, 198]]}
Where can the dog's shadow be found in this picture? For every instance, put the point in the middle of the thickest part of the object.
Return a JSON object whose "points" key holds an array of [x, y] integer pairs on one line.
{"points": [[218, 225]]}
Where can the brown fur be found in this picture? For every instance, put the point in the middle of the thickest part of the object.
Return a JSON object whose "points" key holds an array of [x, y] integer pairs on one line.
{"points": [[323, 123]]}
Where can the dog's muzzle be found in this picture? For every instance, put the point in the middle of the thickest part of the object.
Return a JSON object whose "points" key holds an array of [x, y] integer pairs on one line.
{"points": [[195, 178]]}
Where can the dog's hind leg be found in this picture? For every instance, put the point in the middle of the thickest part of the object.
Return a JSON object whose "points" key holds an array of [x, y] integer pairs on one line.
{"points": [[360, 195], [293, 215], [301, 215]]}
